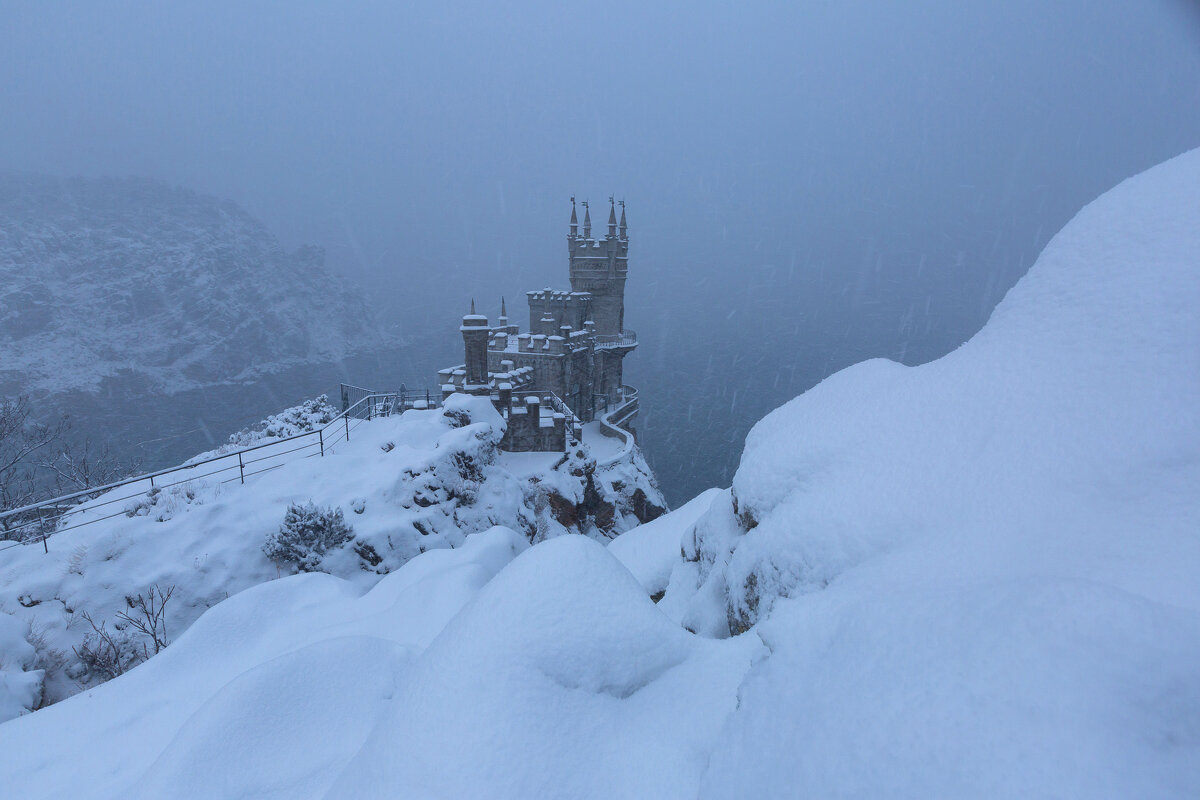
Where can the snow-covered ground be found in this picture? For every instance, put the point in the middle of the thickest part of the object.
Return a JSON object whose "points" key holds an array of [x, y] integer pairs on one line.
{"points": [[405, 484], [974, 578]]}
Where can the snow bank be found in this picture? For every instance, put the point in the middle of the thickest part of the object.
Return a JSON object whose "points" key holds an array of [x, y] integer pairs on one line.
{"points": [[977, 577], [269, 694], [560, 680], [20, 682], [460, 675]]}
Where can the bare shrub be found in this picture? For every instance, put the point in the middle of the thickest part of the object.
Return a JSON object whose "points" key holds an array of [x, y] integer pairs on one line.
{"points": [[106, 654], [148, 615]]}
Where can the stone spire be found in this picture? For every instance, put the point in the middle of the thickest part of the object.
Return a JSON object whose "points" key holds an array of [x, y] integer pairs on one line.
{"points": [[574, 219], [624, 227], [472, 306], [503, 310], [587, 221], [612, 218]]}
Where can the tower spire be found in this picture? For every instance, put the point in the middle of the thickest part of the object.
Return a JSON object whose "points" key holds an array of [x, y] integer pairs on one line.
{"points": [[574, 219], [587, 221], [472, 306], [612, 218], [503, 310], [624, 227]]}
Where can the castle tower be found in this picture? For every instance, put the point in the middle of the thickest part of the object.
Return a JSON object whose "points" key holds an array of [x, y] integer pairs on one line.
{"points": [[475, 343], [601, 267]]}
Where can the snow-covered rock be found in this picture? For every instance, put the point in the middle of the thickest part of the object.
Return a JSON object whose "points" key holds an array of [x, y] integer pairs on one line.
{"points": [[156, 287], [977, 577], [652, 550]]}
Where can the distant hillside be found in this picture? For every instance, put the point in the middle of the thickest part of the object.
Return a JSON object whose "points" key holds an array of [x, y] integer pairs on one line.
{"points": [[145, 282]]}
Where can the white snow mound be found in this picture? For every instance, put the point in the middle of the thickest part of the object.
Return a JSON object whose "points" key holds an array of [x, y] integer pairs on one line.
{"points": [[991, 559]]}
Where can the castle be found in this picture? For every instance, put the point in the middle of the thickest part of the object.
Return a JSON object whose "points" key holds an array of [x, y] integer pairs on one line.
{"points": [[566, 371]]}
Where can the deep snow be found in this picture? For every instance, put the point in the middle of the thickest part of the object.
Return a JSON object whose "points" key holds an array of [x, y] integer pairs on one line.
{"points": [[407, 484], [971, 578]]}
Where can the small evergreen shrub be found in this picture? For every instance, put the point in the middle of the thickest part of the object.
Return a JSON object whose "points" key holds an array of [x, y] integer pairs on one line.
{"points": [[308, 532]]}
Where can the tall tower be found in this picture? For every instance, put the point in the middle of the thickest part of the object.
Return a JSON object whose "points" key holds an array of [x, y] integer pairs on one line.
{"points": [[600, 267]]}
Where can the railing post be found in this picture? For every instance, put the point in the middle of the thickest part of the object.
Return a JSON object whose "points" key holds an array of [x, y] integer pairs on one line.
{"points": [[321, 438], [347, 418], [241, 468]]}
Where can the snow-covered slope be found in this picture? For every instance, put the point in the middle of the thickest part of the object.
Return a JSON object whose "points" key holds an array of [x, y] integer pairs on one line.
{"points": [[406, 484], [139, 281], [992, 558], [975, 578]]}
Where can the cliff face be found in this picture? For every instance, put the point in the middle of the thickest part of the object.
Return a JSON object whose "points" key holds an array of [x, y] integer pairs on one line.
{"points": [[137, 280]]}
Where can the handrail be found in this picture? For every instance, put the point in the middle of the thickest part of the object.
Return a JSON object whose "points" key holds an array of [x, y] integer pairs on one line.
{"points": [[625, 338], [629, 398], [368, 403]]}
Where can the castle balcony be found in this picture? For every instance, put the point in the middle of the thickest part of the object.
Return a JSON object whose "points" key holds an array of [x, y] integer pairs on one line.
{"points": [[608, 341]]}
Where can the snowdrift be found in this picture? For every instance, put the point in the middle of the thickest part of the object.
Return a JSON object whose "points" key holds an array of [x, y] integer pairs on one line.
{"points": [[977, 577]]}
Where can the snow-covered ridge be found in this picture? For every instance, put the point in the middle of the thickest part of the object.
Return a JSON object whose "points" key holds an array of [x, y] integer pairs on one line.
{"points": [[407, 484], [177, 289], [977, 577]]}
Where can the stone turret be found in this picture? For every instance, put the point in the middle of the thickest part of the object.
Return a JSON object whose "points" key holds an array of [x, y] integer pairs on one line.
{"points": [[475, 343]]}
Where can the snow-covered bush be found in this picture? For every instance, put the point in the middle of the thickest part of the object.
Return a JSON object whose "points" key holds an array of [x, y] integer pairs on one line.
{"points": [[308, 532], [303, 418]]}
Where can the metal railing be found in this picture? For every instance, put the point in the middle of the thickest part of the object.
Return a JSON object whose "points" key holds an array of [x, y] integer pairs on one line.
{"points": [[37, 522], [383, 403], [612, 420], [625, 338]]}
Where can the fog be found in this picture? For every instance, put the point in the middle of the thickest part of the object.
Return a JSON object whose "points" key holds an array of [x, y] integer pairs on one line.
{"points": [[808, 184]]}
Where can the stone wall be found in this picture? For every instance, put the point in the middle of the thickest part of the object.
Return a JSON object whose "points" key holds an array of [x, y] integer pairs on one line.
{"points": [[532, 428]]}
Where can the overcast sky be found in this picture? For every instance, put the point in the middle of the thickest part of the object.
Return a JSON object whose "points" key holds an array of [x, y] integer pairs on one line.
{"points": [[809, 183]]}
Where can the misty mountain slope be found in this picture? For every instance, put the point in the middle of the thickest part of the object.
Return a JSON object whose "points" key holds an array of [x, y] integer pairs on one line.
{"points": [[125, 277]]}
